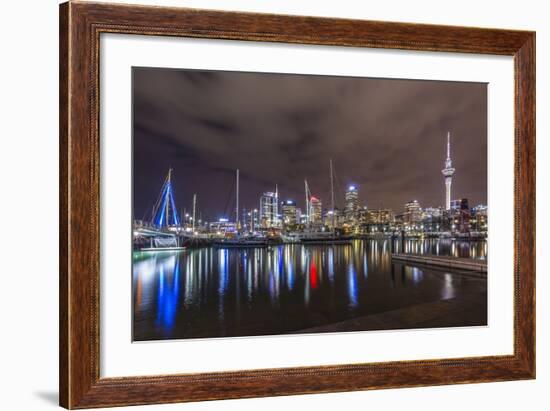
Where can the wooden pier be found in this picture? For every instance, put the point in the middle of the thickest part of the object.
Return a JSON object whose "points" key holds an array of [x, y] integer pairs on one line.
{"points": [[444, 261]]}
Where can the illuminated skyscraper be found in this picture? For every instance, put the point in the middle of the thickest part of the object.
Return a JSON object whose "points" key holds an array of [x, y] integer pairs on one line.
{"points": [[448, 172], [460, 215], [478, 221], [269, 210], [315, 206], [288, 209], [385, 216], [413, 212], [352, 203]]}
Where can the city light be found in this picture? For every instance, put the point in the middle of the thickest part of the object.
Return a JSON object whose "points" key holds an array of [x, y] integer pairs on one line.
{"points": [[300, 262], [287, 220]]}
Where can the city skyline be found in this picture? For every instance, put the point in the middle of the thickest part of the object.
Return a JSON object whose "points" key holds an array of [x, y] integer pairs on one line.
{"points": [[386, 175], [323, 211]]}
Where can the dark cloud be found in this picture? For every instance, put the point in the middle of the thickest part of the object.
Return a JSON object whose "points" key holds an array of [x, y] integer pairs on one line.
{"points": [[387, 136]]}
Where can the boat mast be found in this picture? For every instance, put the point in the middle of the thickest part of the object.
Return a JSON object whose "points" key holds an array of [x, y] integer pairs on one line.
{"points": [[307, 203], [237, 204], [194, 208], [164, 211], [332, 194], [167, 206]]}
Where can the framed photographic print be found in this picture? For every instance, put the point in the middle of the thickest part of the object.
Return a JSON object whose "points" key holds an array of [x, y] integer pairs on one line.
{"points": [[256, 205]]}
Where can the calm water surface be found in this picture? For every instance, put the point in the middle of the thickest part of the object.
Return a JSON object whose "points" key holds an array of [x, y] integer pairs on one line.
{"points": [[209, 292]]}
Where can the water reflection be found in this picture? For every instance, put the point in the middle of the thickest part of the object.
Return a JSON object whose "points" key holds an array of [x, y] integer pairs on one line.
{"points": [[212, 292], [442, 247]]}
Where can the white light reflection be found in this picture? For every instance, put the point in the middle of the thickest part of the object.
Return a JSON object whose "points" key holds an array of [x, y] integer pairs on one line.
{"points": [[289, 268], [330, 262], [448, 289], [417, 275]]}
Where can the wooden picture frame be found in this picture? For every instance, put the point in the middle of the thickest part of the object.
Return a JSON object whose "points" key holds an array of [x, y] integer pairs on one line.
{"points": [[80, 27]]}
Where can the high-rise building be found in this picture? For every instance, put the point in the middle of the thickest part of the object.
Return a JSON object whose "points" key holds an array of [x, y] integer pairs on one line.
{"points": [[434, 219], [301, 216], [352, 203], [413, 212], [334, 218], [316, 210], [459, 204], [385, 216], [479, 210], [381, 216], [460, 215], [363, 215], [330, 218], [269, 209], [288, 209], [431, 213], [448, 172], [374, 221], [478, 220]]}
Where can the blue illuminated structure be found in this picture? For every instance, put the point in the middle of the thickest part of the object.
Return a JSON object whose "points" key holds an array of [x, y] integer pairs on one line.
{"points": [[164, 211]]}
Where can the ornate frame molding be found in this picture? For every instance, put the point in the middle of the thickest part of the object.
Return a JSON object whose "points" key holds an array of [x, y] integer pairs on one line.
{"points": [[81, 24]]}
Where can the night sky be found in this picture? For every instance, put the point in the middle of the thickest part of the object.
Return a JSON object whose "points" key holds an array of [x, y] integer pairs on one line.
{"points": [[386, 136]]}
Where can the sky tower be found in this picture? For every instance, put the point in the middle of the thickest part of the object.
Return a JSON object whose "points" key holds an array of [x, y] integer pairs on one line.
{"points": [[448, 172]]}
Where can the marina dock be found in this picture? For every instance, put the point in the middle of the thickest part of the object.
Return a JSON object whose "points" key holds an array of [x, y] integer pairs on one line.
{"points": [[444, 261]]}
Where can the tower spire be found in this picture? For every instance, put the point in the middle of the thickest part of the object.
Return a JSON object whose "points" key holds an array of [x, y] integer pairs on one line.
{"points": [[448, 172], [276, 217], [237, 202]]}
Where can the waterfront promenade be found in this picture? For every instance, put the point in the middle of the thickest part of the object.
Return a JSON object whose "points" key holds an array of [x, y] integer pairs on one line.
{"points": [[453, 312]]}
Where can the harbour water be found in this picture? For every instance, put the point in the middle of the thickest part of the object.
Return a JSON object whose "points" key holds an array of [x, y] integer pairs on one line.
{"points": [[213, 292]]}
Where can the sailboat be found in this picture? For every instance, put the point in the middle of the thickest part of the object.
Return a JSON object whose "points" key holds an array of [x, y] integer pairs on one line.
{"points": [[322, 237], [240, 241], [164, 220]]}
